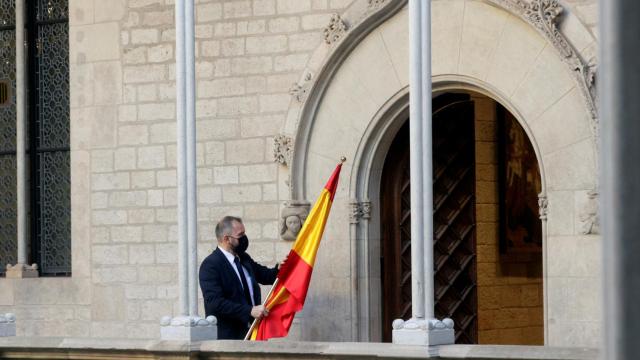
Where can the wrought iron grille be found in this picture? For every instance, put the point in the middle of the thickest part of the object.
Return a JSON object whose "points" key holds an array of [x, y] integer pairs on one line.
{"points": [[7, 13], [48, 140], [48, 49], [8, 209], [8, 218], [53, 10]]}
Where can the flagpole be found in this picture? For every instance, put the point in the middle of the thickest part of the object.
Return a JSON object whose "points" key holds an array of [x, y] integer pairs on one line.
{"points": [[256, 321]]}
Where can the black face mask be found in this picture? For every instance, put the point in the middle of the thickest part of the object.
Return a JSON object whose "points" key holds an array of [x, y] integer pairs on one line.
{"points": [[243, 244]]}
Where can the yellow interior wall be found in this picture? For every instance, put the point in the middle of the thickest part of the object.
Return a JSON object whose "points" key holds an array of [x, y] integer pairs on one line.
{"points": [[509, 294]]}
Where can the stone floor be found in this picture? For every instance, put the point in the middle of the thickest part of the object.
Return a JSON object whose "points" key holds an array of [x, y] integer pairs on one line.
{"points": [[81, 348]]}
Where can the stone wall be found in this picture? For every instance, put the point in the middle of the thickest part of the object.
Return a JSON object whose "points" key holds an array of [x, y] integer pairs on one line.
{"points": [[123, 131], [249, 53], [509, 294], [586, 11]]}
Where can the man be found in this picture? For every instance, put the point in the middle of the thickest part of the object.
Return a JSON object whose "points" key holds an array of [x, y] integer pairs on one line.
{"points": [[229, 281]]}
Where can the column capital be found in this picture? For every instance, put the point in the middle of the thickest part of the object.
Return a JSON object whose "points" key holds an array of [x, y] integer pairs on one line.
{"points": [[359, 210]]}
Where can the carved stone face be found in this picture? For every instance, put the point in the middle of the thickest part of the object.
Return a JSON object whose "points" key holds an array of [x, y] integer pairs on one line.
{"points": [[291, 220], [294, 224]]}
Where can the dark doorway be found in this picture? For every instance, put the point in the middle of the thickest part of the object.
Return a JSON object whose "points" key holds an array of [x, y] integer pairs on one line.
{"points": [[454, 220], [395, 261]]}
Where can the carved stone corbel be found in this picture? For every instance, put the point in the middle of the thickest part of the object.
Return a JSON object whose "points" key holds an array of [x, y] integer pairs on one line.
{"points": [[292, 218], [359, 210], [589, 217], [282, 149], [335, 30]]}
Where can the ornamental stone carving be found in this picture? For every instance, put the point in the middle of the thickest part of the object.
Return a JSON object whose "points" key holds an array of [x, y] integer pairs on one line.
{"points": [[282, 149], [300, 90], [373, 4], [589, 217], [543, 204], [335, 30], [359, 210], [292, 218], [544, 16]]}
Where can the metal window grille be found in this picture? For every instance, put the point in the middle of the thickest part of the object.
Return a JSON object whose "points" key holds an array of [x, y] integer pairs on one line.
{"points": [[48, 155]]}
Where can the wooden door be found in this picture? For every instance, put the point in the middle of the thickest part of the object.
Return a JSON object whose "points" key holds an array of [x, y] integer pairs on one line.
{"points": [[454, 218], [454, 221], [395, 261]]}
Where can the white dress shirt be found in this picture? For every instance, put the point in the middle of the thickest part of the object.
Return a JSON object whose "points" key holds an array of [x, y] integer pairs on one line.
{"points": [[230, 257]]}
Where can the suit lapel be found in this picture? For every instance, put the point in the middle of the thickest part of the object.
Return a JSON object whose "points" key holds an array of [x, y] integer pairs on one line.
{"points": [[231, 272]]}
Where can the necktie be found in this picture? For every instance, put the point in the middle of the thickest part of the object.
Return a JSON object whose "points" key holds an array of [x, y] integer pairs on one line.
{"points": [[245, 286]]}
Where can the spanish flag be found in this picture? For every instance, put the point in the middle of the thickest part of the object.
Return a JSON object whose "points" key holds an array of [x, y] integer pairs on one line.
{"points": [[290, 290]]}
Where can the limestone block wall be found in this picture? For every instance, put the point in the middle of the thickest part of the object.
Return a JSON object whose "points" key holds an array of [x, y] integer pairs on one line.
{"points": [[586, 11], [249, 53], [479, 46], [580, 26], [510, 295]]}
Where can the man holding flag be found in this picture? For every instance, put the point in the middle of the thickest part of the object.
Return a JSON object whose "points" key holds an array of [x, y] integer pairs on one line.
{"points": [[229, 277], [229, 281]]}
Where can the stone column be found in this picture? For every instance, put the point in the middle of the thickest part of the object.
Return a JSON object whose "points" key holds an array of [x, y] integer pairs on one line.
{"points": [[188, 326], [416, 154], [619, 90], [422, 328], [427, 157], [181, 105], [192, 183], [21, 269]]}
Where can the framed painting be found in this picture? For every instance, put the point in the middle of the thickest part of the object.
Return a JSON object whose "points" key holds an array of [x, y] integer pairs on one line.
{"points": [[519, 184]]}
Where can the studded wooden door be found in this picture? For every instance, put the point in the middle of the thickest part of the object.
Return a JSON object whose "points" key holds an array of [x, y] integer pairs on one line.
{"points": [[454, 216], [454, 221]]}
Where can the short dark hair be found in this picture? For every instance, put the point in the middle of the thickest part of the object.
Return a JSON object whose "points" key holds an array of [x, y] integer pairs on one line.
{"points": [[225, 225]]}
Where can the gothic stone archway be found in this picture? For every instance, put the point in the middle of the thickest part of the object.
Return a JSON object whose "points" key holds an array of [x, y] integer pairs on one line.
{"points": [[476, 47]]}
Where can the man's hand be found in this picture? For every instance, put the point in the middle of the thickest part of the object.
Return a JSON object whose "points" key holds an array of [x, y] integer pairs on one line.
{"points": [[283, 261], [259, 311]]}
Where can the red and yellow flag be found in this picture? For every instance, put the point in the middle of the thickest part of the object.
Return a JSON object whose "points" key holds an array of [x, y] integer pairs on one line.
{"points": [[290, 290]]}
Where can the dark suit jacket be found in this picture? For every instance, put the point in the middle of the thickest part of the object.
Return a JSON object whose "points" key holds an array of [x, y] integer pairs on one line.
{"points": [[223, 294]]}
